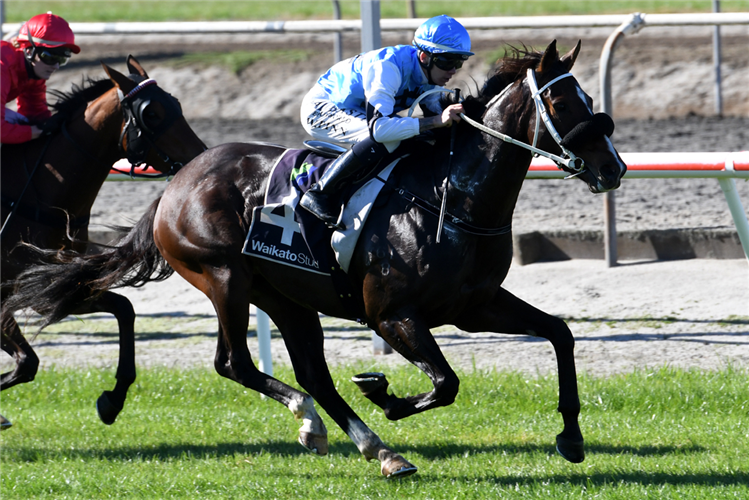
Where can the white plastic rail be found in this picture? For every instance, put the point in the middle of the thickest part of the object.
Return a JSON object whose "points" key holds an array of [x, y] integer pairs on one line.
{"points": [[726, 167]]}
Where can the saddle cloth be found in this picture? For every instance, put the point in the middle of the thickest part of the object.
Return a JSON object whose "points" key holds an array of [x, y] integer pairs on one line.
{"points": [[287, 234]]}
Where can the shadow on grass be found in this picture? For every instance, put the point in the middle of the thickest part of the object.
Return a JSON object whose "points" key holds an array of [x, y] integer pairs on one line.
{"points": [[170, 452], [458, 450], [291, 448]]}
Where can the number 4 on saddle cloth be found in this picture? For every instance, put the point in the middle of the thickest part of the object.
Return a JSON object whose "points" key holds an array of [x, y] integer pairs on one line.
{"points": [[287, 234]]}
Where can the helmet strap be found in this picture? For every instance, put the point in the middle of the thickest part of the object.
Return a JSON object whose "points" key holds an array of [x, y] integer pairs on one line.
{"points": [[29, 55], [427, 66]]}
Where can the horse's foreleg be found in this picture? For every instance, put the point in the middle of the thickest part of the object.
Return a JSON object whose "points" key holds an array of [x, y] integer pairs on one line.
{"points": [[509, 314], [303, 336], [408, 335], [110, 403]]}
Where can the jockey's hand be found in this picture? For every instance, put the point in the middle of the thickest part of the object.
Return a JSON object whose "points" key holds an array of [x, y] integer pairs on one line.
{"points": [[451, 114], [53, 124]]}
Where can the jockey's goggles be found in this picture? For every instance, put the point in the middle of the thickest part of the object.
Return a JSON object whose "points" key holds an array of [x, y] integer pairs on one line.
{"points": [[448, 62], [51, 59]]}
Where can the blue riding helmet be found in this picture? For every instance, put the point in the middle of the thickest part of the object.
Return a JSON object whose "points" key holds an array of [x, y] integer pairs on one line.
{"points": [[443, 35]]}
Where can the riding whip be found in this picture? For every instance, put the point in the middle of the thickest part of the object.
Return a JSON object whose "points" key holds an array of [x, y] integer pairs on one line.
{"points": [[447, 177], [23, 191]]}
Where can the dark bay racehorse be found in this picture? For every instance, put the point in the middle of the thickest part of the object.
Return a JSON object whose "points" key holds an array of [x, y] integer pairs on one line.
{"points": [[405, 282], [49, 186]]}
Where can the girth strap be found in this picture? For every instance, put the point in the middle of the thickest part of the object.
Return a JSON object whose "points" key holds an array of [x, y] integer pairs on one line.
{"points": [[449, 218]]}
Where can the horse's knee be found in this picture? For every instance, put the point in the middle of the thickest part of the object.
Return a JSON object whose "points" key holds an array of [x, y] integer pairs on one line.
{"points": [[565, 339], [561, 336]]}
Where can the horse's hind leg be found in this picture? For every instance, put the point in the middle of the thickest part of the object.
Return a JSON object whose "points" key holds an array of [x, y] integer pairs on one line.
{"points": [[303, 337], [27, 363], [110, 403], [15, 344], [509, 314], [229, 291]]}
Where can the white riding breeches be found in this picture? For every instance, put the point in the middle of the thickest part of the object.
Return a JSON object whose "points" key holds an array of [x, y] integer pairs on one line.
{"points": [[324, 121]]}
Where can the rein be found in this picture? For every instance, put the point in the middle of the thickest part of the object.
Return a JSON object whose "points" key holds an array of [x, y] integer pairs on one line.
{"points": [[573, 163], [17, 203]]}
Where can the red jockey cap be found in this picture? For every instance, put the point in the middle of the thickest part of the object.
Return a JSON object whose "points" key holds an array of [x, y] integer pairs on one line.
{"points": [[50, 31]]}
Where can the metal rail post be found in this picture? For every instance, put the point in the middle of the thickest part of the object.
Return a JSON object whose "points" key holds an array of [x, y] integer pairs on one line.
{"points": [[716, 63], [371, 39], [338, 40], [632, 25], [370, 25]]}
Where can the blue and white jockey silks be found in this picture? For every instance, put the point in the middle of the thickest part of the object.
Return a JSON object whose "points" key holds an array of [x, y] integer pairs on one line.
{"points": [[361, 96]]}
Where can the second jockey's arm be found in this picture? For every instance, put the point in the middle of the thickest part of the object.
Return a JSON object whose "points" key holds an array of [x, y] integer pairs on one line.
{"points": [[449, 115]]}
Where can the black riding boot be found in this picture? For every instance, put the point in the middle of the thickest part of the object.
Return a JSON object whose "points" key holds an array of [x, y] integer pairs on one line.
{"points": [[323, 199]]}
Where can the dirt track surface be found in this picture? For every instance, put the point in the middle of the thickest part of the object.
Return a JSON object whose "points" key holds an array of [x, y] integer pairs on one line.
{"points": [[642, 315], [684, 313], [663, 94]]}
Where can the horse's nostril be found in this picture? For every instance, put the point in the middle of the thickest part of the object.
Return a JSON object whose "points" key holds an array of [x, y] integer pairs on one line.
{"points": [[609, 172]]}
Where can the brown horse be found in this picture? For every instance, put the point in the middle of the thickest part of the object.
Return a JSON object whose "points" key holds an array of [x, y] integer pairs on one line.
{"points": [[404, 282], [49, 186]]}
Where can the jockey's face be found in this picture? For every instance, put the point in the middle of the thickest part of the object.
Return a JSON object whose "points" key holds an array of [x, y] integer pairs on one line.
{"points": [[438, 76], [43, 70]]}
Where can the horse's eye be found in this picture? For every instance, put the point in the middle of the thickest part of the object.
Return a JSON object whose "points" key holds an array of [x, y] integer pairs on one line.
{"points": [[560, 106], [150, 114]]}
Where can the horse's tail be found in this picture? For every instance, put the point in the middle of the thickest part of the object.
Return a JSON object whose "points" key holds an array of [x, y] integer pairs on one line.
{"points": [[64, 280]]}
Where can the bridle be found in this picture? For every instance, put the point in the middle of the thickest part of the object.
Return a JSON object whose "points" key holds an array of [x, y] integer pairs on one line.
{"points": [[140, 137], [569, 161]]}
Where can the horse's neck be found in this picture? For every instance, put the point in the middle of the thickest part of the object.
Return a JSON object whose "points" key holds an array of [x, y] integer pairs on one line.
{"points": [[87, 150], [491, 181], [104, 117]]}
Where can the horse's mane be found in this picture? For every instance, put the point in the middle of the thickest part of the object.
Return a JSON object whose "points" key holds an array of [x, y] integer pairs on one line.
{"points": [[80, 95], [507, 70]]}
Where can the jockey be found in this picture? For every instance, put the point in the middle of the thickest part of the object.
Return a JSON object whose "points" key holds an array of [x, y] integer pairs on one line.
{"points": [[356, 102], [44, 43]]}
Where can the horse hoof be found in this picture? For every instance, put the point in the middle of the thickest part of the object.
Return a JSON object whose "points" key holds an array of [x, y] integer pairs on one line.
{"points": [[397, 467], [107, 410], [5, 423], [574, 451], [370, 382], [316, 443]]}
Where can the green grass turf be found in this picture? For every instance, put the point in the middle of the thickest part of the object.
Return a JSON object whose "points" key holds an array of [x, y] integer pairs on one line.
{"points": [[191, 434]]}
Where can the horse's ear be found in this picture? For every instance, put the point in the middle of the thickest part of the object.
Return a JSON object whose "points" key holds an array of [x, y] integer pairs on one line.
{"points": [[569, 58], [121, 81], [135, 68], [549, 58]]}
